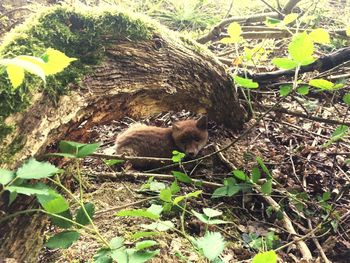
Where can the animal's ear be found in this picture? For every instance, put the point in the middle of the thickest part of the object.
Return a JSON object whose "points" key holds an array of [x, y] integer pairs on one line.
{"points": [[202, 123]]}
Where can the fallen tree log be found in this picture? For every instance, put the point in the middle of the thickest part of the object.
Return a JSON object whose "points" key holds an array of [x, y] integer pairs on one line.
{"points": [[322, 64], [127, 66]]}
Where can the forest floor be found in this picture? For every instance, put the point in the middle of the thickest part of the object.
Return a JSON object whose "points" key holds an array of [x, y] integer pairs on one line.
{"points": [[291, 148]]}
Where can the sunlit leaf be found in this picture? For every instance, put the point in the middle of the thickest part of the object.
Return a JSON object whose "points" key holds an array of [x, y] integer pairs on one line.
{"points": [[265, 257], [137, 213], [6, 176], [347, 31], [285, 90], [290, 18], [145, 244], [284, 63], [320, 36], [142, 234], [234, 30], [56, 61], [155, 209], [256, 175], [15, 74], [245, 83], [321, 84], [177, 156], [28, 190], [303, 90], [301, 48], [165, 195], [211, 212]]}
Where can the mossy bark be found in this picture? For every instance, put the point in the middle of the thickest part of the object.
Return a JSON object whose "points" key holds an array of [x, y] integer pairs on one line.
{"points": [[134, 78]]}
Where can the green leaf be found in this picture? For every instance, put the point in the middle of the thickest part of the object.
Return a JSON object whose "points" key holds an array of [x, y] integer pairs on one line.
{"points": [[266, 188], [113, 162], [272, 22], [33, 169], [231, 188], [155, 209], [103, 255], [142, 234], [303, 90], [240, 175], [165, 195], [182, 177], [66, 155], [290, 18], [159, 225], [301, 48], [116, 242], [201, 217], [320, 36], [69, 147], [346, 99], [212, 245], [211, 212], [177, 156], [137, 213], [175, 188], [265, 257], [27, 190], [178, 199], [194, 194], [6, 176], [284, 63], [145, 244], [263, 167], [12, 197], [87, 149], [321, 84], [61, 222], [156, 186], [81, 217], [245, 83], [326, 196], [256, 175], [62, 240], [285, 90], [54, 202], [339, 133], [140, 256]]}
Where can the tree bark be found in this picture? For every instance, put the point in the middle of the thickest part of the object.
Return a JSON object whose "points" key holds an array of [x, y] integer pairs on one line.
{"points": [[135, 79]]}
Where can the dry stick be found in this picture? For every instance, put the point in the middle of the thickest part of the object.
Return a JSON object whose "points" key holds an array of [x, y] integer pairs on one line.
{"points": [[129, 158], [157, 176], [314, 239], [313, 118], [124, 206]]}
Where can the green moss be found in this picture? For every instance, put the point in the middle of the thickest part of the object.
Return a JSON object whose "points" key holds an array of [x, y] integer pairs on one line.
{"points": [[82, 34]]}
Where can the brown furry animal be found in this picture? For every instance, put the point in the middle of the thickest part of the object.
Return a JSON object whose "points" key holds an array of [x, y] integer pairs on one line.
{"points": [[188, 136]]}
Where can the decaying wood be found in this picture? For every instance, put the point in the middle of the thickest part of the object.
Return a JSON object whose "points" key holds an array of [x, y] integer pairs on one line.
{"points": [[136, 79], [322, 64]]}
